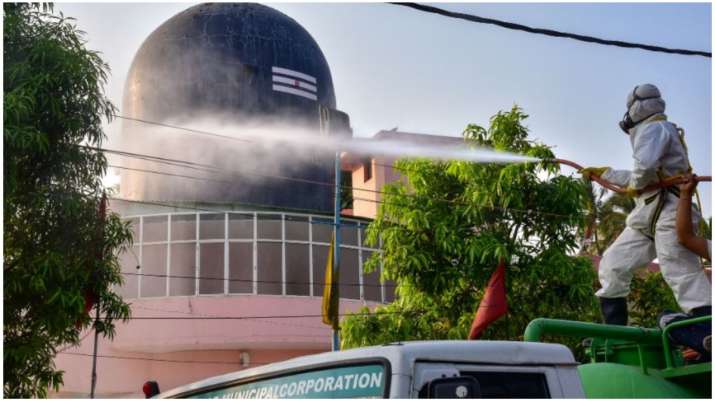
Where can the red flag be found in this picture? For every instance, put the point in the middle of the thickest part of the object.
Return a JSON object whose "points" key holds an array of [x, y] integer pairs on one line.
{"points": [[493, 304]]}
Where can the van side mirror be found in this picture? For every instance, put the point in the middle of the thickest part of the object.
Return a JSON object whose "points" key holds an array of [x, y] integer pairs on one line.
{"points": [[454, 387]]}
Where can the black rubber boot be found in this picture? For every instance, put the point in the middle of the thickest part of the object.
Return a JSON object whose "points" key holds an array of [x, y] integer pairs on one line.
{"points": [[695, 336], [614, 311], [701, 311]]}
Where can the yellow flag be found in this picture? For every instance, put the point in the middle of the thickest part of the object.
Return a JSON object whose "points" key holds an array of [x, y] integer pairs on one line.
{"points": [[331, 293]]}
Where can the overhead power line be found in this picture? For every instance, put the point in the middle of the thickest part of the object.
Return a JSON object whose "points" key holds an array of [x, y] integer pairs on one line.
{"points": [[161, 360], [415, 196], [551, 32], [191, 130], [285, 324], [194, 164], [78, 342], [157, 159], [215, 278], [265, 317], [253, 173]]}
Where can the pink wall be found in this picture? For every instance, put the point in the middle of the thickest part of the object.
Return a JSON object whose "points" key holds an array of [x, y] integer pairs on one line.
{"points": [[366, 194], [177, 352]]}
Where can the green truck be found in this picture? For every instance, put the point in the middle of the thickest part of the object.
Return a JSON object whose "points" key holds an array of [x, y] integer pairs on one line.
{"points": [[625, 362]]}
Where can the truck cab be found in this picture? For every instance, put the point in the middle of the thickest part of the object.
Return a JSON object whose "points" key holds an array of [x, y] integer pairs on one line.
{"points": [[625, 362], [422, 369]]}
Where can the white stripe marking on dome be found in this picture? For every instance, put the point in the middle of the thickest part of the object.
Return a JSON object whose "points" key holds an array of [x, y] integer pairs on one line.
{"points": [[294, 91], [295, 83], [291, 73]]}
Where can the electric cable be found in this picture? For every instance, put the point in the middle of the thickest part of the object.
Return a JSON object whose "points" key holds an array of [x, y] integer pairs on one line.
{"points": [[170, 174], [523, 211], [191, 130], [284, 324], [267, 317], [551, 32], [161, 360], [251, 173], [414, 5], [151, 158], [208, 278], [149, 122], [163, 204], [377, 191], [275, 211], [79, 341], [560, 161], [415, 196]]}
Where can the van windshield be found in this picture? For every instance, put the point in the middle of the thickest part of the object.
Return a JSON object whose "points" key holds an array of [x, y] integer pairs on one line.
{"points": [[354, 381]]}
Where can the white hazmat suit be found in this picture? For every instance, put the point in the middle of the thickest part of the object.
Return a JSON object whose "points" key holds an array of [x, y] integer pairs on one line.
{"points": [[658, 152]]}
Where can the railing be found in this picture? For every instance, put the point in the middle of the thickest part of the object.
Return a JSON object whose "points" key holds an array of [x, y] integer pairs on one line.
{"points": [[245, 252], [678, 324]]}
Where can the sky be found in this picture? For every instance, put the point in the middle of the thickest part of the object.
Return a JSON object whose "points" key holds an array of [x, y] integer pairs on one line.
{"points": [[397, 67]]}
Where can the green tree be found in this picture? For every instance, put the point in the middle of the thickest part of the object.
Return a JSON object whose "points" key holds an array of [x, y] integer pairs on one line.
{"points": [[606, 218], [649, 297], [445, 229], [56, 249]]}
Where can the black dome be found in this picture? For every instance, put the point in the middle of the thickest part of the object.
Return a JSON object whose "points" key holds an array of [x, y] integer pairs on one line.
{"points": [[219, 58], [237, 63]]}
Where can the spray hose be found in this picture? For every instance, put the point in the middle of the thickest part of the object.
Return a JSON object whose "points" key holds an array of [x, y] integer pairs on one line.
{"points": [[667, 182]]}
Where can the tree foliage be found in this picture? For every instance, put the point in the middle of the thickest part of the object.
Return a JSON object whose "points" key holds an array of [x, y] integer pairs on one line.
{"points": [[56, 250], [606, 218], [444, 229], [649, 297]]}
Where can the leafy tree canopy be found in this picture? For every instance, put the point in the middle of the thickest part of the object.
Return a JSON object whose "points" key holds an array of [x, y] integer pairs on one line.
{"points": [[56, 250], [445, 227]]}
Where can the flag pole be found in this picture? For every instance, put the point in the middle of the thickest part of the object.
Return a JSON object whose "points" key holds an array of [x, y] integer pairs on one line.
{"points": [[94, 354], [100, 257], [336, 248]]}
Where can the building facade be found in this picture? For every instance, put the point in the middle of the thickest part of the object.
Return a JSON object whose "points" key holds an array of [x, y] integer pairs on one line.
{"points": [[224, 274], [215, 292]]}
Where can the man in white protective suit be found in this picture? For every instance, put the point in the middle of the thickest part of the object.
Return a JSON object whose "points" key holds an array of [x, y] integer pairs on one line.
{"points": [[658, 152]]}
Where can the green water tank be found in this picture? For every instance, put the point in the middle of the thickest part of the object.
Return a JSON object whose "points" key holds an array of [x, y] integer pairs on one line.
{"points": [[630, 362], [613, 380]]}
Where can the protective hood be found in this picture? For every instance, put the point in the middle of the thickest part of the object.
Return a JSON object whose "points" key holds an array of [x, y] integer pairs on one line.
{"points": [[643, 102]]}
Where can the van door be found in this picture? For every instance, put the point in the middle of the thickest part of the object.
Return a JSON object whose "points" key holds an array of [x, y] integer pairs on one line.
{"points": [[494, 381]]}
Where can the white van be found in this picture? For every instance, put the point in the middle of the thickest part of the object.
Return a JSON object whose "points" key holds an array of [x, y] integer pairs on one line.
{"points": [[426, 369]]}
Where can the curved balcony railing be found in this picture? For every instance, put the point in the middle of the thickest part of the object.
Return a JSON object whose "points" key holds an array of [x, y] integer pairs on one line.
{"points": [[245, 252]]}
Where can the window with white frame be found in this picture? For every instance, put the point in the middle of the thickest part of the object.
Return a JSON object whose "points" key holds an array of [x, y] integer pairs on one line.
{"points": [[247, 252]]}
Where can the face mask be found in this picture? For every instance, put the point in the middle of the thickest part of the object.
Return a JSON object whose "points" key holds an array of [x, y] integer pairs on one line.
{"points": [[626, 123]]}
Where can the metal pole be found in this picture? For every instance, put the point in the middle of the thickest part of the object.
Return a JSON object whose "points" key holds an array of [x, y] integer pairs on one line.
{"points": [[336, 249], [95, 276], [94, 354]]}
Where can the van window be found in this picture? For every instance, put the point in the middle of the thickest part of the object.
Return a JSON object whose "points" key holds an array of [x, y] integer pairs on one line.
{"points": [[356, 381], [510, 385]]}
